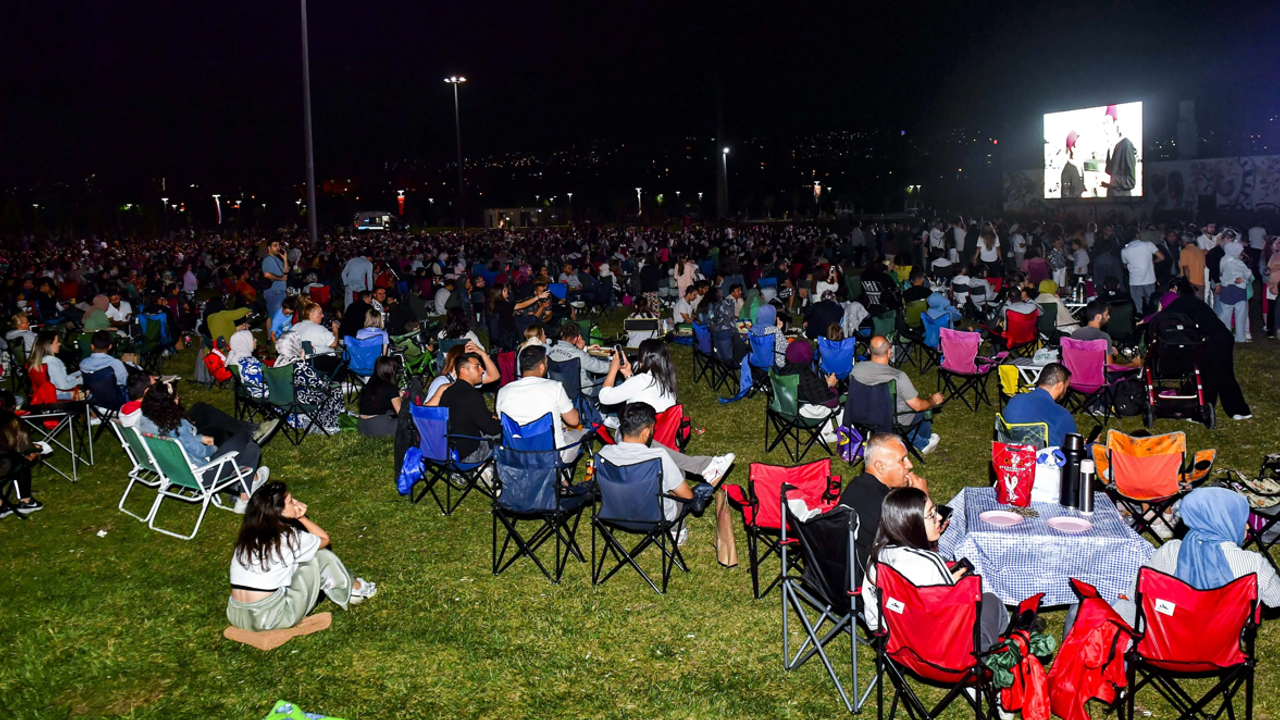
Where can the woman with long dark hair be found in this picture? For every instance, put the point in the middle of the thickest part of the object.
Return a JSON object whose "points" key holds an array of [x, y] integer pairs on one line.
{"points": [[907, 541], [163, 416], [281, 565], [17, 454], [380, 401]]}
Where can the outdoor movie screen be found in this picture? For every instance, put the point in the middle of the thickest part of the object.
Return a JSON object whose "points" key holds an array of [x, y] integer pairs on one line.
{"points": [[1093, 153]]}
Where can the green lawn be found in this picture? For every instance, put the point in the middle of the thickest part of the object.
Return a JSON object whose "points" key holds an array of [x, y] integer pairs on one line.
{"points": [[130, 625]]}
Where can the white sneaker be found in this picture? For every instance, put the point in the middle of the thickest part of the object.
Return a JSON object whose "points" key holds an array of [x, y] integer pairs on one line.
{"points": [[612, 422], [1241, 417], [933, 444], [94, 420], [366, 590], [240, 506], [259, 479], [717, 468]]}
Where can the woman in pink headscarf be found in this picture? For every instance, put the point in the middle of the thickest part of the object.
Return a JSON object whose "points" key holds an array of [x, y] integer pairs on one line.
{"points": [[1273, 284], [817, 394]]}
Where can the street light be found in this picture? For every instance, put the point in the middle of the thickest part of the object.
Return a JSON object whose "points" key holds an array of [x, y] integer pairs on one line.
{"points": [[164, 202], [218, 204], [724, 159], [306, 126], [639, 203], [455, 81]]}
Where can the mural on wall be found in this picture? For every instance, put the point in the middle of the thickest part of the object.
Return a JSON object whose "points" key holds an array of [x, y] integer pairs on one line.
{"points": [[1237, 182]]}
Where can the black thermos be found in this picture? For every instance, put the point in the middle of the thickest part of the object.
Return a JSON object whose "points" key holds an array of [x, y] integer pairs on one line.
{"points": [[1074, 452], [1086, 487]]}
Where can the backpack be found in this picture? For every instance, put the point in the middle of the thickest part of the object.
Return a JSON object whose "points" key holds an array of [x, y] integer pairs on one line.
{"points": [[1130, 397]]}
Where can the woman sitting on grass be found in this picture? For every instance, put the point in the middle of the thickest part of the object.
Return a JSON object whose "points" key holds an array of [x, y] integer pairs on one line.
{"points": [[281, 565]]}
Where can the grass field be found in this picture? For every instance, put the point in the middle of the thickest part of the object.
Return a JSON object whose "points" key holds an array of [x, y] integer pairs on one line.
{"points": [[129, 625]]}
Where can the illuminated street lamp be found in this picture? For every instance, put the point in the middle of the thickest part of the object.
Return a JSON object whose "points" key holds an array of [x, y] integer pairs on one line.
{"points": [[455, 81], [218, 204], [639, 203]]}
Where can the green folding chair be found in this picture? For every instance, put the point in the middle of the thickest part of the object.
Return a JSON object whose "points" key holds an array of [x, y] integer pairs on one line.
{"points": [[179, 479], [283, 398], [142, 471], [796, 433]]}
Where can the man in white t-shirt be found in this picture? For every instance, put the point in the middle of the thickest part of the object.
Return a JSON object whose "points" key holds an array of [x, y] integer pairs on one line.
{"points": [[534, 395], [684, 312], [1207, 240], [1140, 257], [1257, 236]]}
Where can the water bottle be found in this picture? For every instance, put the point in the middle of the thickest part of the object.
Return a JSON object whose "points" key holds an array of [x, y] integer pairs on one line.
{"points": [[1069, 485], [1086, 487]]}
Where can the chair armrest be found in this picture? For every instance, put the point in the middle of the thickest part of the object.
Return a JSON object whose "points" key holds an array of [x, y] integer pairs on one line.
{"points": [[737, 496]]}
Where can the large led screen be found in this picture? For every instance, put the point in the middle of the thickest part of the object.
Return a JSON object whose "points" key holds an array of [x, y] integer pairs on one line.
{"points": [[1093, 153]]}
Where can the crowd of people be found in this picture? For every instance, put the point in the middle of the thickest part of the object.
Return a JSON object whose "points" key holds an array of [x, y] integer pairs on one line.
{"points": [[255, 307]]}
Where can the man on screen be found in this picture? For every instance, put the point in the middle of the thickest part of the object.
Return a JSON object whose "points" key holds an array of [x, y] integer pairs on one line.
{"points": [[1122, 161], [1072, 180]]}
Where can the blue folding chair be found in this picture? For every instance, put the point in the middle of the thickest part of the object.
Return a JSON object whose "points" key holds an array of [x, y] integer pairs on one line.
{"points": [[155, 340], [761, 361], [632, 502], [559, 291], [360, 356], [529, 491], [836, 357], [105, 396], [539, 436], [702, 352], [569, 374], [440, 461], [932, 342]]}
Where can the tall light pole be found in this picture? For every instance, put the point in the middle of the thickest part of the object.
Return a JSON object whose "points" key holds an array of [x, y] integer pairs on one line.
{"points": [[218, 204], [455, 81], [724, 184], [164, 203], [306, 126], [639, 203]]}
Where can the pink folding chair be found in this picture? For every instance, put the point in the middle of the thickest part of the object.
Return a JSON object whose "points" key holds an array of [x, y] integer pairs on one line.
{"points": [[1089, 390], [962, 370]]}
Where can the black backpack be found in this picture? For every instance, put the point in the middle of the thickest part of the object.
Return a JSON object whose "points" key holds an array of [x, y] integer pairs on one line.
{"points": [[1130, 397]]}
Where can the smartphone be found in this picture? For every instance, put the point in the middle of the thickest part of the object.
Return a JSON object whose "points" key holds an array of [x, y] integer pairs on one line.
{"points": [[944, 513], [618, 349], [964, 563]]}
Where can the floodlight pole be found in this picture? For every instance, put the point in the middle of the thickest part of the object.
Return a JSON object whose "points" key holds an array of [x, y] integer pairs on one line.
{"points": [[306, 125]]}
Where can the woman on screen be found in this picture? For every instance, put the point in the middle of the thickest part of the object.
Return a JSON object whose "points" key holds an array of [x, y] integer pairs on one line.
{"points": [[1072, 180]]}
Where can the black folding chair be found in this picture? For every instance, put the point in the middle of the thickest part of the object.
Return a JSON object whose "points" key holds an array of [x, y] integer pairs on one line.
{"points": [[632, 503], [16, 465], [528, 490], [105, 397], [874, 409]]}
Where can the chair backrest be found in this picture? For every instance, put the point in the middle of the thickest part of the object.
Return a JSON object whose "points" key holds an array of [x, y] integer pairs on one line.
{"points": [[702, 339], [836, 357], [722, 344], [1120, 326], [853, 286], [811, 480], [870, 406], [786, 392], [137, 448], [171, 461], [831, 570], [630, 493], [667, 425], [1189, 630], [762, 352], [281, 391], [433, 432], [319, 293], [885, 324], [103, 390], [445, 347], [959, 350], [557, 290], [155, 327], [506, 367], [872, 290], [1047, 322], [1035, 434], [528, 480], [1087, 361], [641, 325], [362, 354], [933, 328], [1146, 468], [1020, 328], [912, 311], [569, 374], [539, 435], [931, 630]]}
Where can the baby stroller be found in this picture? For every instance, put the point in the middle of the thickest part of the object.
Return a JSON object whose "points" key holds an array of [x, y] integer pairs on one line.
{"points": [[1172, 371]]}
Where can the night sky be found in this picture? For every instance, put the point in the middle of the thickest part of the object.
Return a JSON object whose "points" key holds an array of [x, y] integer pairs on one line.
{"points": [[213, 91]]}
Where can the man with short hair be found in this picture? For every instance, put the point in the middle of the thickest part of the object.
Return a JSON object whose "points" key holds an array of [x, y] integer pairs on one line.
{"points": [[119, 312], [1140, 257], [534, 395], [572, 345], [917, 290], [878, 372], [357, 275], [1191, 262], [886, 466], [1041, 404], [1097, 314], [275, 268], [684, 312], [469, 416], [1207, 239], [101, 343]]}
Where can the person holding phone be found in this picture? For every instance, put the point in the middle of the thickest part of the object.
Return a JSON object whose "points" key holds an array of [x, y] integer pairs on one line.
{"points": [[571, 346], [907, 540]]}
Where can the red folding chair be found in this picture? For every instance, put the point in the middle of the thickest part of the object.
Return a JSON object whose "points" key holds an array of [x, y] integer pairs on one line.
{"points": [[319, 294], [760, 506], [1185, 633], [671, 428], [1020, 336], [931, 634]]}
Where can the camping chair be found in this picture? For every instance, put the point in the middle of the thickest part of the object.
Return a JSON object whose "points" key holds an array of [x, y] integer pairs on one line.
{"points": [[183, 480], [962, 370], [640, 325], [105, 397], [319, 294], [246, 406], [1047, 324], [1148, 475], [931, 634], [796, 433], [440, 462], [853, 287], [759, 503], [156, 341], [824, 595], [539, 435], [1035, 434], [703, 354], [761, 361], [569, 374], [1186, 633], [885, 325], [1019, 337], [283, 398], [1088, 391], [872, 290], [874, 409], [528, 490], [931, 342], [142, 471], [632, 502], [360, 356], [837, 357], [19, 381], [671, 428], [723, 372], [1121, 326]]}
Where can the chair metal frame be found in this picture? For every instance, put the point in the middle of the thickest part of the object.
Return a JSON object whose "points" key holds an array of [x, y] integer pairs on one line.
{"points": [[656, 533]]}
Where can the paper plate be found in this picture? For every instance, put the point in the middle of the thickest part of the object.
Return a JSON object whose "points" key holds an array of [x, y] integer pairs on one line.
{"points": [[1069, 524], [1000, 518]]}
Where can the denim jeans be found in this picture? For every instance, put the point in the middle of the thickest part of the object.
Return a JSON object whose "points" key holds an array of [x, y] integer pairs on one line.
{"points": [[1140, 295], [921, 431], [1240, 312]]}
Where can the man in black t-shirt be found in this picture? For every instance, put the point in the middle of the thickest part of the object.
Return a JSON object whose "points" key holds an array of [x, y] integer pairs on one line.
{"points": [[354, 316], [917, 290], [887, 466], [468, 413]]}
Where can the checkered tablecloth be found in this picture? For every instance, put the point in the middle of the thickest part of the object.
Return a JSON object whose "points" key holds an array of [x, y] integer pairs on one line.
{"points": [[1019, 561]]}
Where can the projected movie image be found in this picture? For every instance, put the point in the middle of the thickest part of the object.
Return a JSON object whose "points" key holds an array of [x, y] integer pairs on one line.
{"points": [[1093, 153]]}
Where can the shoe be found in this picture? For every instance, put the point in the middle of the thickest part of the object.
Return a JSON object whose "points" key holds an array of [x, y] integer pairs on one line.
{"points": [[94, 420], [239, 507], [367, 590], [1241, 417], [259, 479], [719, 465], [679, 538], [45, 448], [612, 422], [1162, 531], [30, 506], [7, 510], [933, 444], [265, 431]]}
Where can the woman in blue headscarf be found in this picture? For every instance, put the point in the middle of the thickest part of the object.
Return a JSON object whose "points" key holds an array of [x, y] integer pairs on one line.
{"points": [[767, 323], [940, 306]]}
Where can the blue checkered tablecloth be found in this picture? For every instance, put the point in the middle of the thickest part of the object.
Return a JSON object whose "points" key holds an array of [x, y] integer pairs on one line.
{"points": [[1019, 561]]}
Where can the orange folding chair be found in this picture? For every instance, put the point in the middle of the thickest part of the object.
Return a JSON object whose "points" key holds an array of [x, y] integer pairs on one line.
{"points": [[1147, 475]]}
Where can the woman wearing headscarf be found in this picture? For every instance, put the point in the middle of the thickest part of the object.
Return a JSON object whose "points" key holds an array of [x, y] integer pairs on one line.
{"points": [[1062, 318], [767, 323], [817, 394], [95, 318], [939, 307], [1273, 285], [309, 387], [241, 359], [1233, 290]]}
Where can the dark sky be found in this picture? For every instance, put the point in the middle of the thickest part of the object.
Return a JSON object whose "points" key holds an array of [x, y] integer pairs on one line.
{"points": [[213, 91]]}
